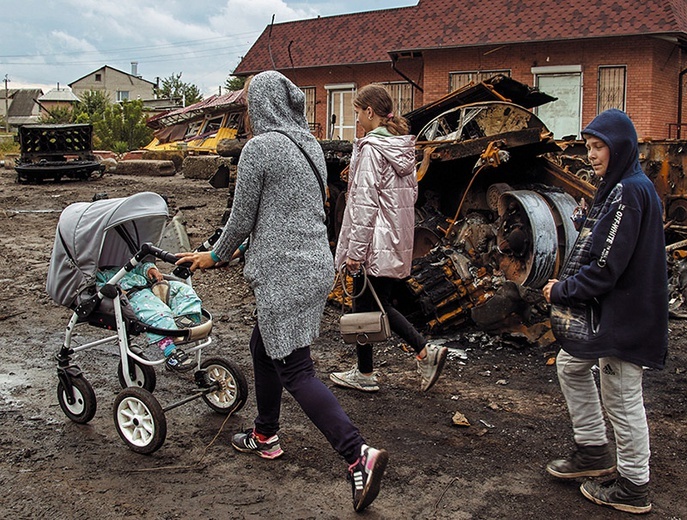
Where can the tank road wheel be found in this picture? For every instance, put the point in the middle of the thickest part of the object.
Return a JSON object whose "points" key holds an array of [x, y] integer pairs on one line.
{"points": [[83, 408], [140, 420], [143, 375], [527, 237], [562, 207], [233, 390]]}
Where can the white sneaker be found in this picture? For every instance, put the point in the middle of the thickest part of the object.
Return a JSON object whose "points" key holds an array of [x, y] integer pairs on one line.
{"points": [[431, 365], [353, 378]]}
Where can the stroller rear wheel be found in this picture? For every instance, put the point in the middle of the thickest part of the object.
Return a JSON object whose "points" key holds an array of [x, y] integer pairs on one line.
{"points": [[140, 420], [233, 390], [83, 408], [143, 375]]}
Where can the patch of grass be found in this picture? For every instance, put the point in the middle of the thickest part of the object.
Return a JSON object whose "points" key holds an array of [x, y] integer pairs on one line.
{"points": [[7, 145]]}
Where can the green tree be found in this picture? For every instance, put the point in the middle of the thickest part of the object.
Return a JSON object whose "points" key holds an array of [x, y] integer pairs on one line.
{"points": [[123, 127], [91, 107], [57, 115], [234, 82], [173, 88]]}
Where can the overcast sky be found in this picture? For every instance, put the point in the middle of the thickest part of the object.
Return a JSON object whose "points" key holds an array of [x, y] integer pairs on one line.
{"points": [[46, 43]]}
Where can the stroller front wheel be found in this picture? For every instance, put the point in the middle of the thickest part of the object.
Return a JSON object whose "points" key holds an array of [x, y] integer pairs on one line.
{"points": [[140, 420], [83, 408]]}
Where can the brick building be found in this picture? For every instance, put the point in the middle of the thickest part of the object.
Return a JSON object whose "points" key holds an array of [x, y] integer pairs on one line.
{"points": [[590, 54]]}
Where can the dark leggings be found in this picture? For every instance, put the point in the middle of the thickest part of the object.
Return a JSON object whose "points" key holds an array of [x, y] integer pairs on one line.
{"points": [[296, 374], [397, 321]]}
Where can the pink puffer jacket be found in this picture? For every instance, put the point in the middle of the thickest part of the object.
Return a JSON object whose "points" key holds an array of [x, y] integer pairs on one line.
{"points": [[379, 221]]}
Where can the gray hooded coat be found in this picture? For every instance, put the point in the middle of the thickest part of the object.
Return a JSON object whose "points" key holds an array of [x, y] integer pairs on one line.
{"points": [[278, 203]]}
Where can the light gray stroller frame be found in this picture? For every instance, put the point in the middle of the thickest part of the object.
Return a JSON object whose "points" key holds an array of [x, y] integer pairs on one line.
{"points": [[121, 232]]}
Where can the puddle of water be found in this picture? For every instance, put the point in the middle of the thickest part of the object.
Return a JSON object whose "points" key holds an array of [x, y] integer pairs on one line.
{"points": [[14, 381]]}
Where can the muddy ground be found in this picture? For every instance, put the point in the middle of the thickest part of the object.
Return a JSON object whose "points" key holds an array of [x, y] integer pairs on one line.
{"points": [[53, 468]]}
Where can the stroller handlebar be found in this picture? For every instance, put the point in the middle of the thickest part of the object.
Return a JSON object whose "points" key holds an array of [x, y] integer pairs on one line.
{"points": [[181, 271]]}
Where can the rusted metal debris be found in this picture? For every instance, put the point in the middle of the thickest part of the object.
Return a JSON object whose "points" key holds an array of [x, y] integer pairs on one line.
{"points": [[56, 151], [493, 221]]}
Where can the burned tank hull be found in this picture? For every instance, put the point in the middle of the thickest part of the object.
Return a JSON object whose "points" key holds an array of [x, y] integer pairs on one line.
{"points": [[493, 222]]}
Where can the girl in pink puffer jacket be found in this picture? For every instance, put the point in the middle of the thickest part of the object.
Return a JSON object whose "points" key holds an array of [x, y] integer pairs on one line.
{"points": [[377, 230]]}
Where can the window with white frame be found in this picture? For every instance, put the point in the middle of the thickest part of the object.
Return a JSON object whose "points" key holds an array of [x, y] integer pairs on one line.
{"points": [[340, 113], [611, 88], [122, 95], [462, 78]]}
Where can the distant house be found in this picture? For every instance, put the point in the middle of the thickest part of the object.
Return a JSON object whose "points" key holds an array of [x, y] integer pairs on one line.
{"points": [[56, 98], [590, 54], [115, 84], [22, 107]]}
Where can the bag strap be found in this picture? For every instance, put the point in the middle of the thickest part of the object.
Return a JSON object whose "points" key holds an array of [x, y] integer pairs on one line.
{"points": [[366, 285], [310, 162]]}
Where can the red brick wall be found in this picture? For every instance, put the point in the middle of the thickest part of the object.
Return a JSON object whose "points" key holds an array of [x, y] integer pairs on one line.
{"points": [[360, 76], [653, 68]]}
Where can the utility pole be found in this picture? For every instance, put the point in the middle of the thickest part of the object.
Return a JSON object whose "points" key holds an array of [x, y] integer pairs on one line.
{"points": [[7, 94]]}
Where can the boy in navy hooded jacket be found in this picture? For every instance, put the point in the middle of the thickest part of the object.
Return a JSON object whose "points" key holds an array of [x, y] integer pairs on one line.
{"points": [[610, 308]]}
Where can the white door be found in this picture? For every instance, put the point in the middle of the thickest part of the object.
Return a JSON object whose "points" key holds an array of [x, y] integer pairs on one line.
{"points": [[341, 121], [563, 116]]}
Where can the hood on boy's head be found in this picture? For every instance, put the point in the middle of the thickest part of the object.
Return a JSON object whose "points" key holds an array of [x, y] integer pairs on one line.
{"points": [[615, 129], [275, 102]]}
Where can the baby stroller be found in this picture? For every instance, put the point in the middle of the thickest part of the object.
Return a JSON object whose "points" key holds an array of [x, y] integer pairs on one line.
{"points": [[121, 232]]}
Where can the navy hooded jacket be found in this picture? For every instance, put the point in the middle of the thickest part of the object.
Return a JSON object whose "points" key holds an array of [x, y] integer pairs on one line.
{"points": [[612, 298]]}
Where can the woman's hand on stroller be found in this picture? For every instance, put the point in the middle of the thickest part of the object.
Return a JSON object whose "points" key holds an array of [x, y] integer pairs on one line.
{"points": [[196, 260]]}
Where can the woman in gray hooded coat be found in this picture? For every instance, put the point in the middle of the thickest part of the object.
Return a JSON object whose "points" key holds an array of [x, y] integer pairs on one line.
{"points": [[278, 203]]}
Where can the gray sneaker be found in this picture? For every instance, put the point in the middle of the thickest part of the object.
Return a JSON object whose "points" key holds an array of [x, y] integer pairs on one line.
{"points": [[431, 365], [619, 493], [353, 378], [585, 461]]}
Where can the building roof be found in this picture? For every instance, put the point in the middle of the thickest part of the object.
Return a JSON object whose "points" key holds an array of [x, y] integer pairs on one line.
{"points": [[369, 37], [116, 70], [24, 102], [59, 94], [232, 100]]}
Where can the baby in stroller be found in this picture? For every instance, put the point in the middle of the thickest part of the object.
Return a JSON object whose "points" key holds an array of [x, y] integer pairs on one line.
{"points": [[161, 304]]}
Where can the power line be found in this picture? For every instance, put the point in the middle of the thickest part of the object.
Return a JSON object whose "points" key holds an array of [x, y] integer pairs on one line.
{"points": [[152, 58], [186, 43]]}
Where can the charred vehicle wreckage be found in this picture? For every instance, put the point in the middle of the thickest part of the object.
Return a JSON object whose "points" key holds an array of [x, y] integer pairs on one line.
{"points": [[493, 212]]}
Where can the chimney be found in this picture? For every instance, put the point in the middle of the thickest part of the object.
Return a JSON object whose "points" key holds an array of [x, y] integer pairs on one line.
{"points": [[134, 68]]}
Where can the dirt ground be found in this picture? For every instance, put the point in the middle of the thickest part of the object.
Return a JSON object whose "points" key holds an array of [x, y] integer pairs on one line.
{"points": [[53, 468]]}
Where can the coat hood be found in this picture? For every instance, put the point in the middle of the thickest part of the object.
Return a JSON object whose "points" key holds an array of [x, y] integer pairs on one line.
{"points": [[274, 102], [615, 129], [399, 150]]}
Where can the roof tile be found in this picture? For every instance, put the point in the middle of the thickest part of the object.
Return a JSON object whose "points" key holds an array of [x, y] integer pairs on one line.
{"points": [[368, 37]]}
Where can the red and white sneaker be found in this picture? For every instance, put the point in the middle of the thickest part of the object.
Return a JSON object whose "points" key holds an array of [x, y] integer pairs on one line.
{"points": [[248, 442]]}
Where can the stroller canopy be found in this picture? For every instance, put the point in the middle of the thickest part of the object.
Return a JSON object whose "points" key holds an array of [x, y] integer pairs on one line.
{"points": [[86, 240]]}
